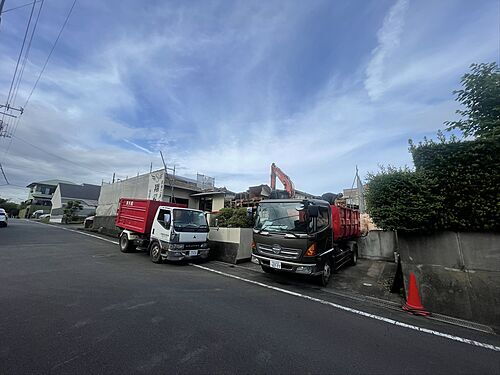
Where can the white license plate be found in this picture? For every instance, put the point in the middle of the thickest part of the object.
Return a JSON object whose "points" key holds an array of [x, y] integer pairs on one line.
{"points": [[193, 253], [275, 264]]}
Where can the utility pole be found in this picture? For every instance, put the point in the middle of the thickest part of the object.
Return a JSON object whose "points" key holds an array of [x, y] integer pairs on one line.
{"points": [[2, 2], [171, 181], [4, 111]]}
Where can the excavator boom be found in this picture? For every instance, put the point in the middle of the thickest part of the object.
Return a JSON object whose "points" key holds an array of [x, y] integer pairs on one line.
{"points": [[285, 180]]}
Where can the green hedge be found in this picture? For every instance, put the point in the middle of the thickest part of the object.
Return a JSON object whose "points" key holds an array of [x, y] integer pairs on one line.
{"points": [[468, 176], [234, 218], [404, 200], [455, 186]]}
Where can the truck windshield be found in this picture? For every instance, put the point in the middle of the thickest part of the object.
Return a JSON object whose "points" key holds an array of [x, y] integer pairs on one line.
{"points": [[190, 221], [281, 217]]}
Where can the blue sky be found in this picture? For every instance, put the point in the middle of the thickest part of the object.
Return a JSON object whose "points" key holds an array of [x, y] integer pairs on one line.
{"points": [[225, 88]]}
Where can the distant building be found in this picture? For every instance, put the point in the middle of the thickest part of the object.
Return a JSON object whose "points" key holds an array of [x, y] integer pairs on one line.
{"points": [[86, 194], [356, 197], [255, 194], [198, 194], [351, 196], [40, 197]]}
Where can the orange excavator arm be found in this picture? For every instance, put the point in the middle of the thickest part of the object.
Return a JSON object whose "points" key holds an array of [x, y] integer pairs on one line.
{"points": [[285, 180]]}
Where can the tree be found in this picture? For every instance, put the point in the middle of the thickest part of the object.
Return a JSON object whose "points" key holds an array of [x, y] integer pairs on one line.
{"points": [[481, 98], [70, 211], [11, 208]]}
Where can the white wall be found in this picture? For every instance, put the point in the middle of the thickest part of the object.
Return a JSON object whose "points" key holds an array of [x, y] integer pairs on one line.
{"points": [[183, 194], [217, 202], [135, 187], [56, 198]]}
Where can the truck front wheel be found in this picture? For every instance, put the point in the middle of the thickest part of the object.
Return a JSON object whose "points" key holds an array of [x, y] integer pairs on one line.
{"points": [[126, 245], [326, 274], [155, 252]]}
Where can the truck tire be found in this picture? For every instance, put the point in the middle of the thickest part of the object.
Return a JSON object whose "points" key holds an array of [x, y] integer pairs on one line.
{"points": [[126, 246], [326, 275], [155, 253], [354, 255]]}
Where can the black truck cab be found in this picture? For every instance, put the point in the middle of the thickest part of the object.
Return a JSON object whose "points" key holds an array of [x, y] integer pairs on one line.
{"points": [[292, 235]]}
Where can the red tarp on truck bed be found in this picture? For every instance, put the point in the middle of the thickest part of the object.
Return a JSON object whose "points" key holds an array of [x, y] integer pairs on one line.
{"points": [[138, 214]]}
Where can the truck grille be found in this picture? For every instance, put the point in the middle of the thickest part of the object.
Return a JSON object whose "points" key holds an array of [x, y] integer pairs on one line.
{"points": [[284, 252]]}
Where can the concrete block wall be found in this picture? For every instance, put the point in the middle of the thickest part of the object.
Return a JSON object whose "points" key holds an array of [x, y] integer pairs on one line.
{"points": [[378, 245], [106, 225], [458, 274], [230, 245]]}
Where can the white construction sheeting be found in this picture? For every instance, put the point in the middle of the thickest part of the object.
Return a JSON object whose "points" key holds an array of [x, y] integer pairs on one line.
{"points": [[135, 187]]}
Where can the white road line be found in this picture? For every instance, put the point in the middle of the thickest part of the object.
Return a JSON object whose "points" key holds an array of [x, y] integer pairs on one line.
{"points": [[358, 312], [76, 231], [323, 302]]}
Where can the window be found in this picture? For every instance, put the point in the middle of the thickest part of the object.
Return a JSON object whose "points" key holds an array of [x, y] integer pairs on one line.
{"points": [[323, 218], [182, 201], [164, 217]]}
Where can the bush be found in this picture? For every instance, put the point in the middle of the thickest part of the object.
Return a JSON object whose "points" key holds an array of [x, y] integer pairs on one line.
{"points": [[468, 178], [404, 200], [454, 187], [234, 218]]}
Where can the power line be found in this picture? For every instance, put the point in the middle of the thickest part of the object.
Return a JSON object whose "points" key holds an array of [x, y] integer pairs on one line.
{"points": [[19, 186], [19, 58], [26, 54], [50, 53], [4, 176], [57, 156], [40, 74], [9, 131], [20, 6]]}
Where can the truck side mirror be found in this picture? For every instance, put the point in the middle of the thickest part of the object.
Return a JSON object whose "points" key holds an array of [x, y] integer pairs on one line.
{"points": [[313, 211], [166, 220]]}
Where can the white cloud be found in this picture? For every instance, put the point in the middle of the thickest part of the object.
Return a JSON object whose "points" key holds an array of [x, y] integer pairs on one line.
{"points": [[137, 146], [388, 39], [201, 86]]}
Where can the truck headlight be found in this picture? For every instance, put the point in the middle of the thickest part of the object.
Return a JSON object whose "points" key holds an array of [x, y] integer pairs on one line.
{"points": [[304, 269], [204, 245]]}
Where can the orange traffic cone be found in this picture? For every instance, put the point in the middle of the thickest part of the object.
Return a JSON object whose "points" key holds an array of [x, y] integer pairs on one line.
{"points": [[413, 303]]}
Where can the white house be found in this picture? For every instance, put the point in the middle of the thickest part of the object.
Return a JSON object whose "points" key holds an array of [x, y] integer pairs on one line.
{"points": [[86, 194]]}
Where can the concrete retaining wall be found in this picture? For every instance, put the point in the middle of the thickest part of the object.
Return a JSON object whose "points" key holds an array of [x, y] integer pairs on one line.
{"points": [[231, 245], [458, 274], [378, 245], [106, 225]]}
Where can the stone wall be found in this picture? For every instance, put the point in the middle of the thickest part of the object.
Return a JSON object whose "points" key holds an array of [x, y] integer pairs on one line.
{"points": [[458, 274]]}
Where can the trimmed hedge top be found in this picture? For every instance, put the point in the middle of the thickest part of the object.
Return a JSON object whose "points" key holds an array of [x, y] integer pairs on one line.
{"points": [[455, 186]]}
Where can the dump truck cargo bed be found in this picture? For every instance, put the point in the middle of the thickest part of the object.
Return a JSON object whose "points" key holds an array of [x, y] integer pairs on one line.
{"points": [[138, 214], [345, 223]]}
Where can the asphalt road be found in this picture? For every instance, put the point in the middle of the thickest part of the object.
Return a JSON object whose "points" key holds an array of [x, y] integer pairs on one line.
{"points": [[70, 303]]}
